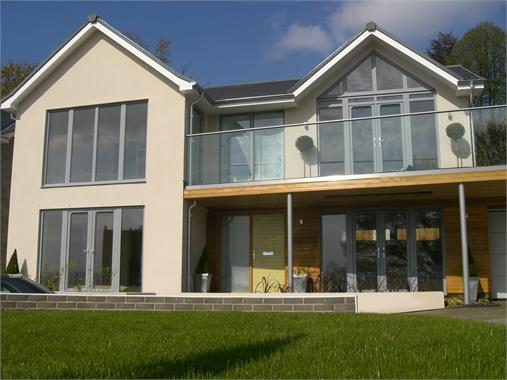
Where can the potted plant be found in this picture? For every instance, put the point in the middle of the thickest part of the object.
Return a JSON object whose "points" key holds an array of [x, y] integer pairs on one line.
{"points": [[203, 276], [300, 277]]}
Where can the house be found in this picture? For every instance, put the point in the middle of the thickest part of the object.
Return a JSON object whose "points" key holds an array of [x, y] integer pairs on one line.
{"points": [[369, 174]]}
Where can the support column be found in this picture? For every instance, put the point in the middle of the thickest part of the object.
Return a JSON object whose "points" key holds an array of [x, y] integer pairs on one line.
{"points": [[290, 249], [464, 242]]}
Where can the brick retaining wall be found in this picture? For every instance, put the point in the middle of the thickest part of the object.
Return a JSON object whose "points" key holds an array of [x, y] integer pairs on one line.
{"points": [[177, 303]]}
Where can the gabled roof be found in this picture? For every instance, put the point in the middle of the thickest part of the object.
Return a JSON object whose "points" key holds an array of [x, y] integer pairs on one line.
{"points": [[93, 24]]}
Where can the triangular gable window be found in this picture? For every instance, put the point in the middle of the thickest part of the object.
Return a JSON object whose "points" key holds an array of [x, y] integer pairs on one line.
{"points": [[373, 74]]}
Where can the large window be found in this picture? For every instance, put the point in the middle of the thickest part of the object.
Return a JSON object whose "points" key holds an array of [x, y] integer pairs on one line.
{"points": [[96, 144], [92, 250], [251, 155], [376, 87]]}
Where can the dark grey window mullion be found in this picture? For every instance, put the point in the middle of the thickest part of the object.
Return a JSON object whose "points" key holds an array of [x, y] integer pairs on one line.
{"points": [[407, 135], [121, 147], [377, 139], [95, 140], [351, 257], [64, 251], [412, 251], [115, 283], [90, 248], [252, 149], [348, 156], [68, 157], [46, 146], [381, 253]]}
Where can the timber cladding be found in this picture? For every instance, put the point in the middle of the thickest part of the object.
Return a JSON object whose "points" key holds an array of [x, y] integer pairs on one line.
{"points": [[307, 238]]}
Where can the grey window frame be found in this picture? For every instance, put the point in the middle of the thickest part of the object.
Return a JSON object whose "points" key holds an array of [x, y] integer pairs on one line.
{"points": [[64, 246], [68, 158], [251, 130], [380, 97]]}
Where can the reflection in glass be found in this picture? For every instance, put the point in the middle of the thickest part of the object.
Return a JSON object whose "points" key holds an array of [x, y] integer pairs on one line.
{"points": [[334, 254], [395, 229], [429, 250], [131, 249], [76, 266], [108, 142], [391, 138], [331, 137], [424, 139], [366, 251], [51, 242], [82, 145], [56, 150], [388, 76], [360, 78], [135, 141], [362, 140], [103, 254], [235, 253]]}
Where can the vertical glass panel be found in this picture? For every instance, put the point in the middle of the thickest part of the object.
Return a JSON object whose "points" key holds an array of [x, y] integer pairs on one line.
{"points": [[134, 166], [235, 255], [388, 76], [366, 251], [331, 138], [429, 250], [56, 149], [334, 254], [78, 235], [268, 161], [82, 145], [391, 138], [336, 90], [360, 79], [414, 83], [362, 140], [51, 240], [131, 250], [108, 142], [103, 254], [424, 139], [395, 229], [489, 126], [235, 150]]}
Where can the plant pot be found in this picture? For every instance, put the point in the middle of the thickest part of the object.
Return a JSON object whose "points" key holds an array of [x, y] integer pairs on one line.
{"points": [[473, 287], [299, 283], [202, 282]]}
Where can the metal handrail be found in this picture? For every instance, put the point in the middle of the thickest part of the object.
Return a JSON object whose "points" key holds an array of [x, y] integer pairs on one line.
{"points": [[306, 124]]}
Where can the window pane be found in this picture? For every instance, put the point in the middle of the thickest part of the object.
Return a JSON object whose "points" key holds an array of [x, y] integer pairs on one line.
{"points": [[56, 150], [388, 76], [235, 260], [76, 267], [413, 83], [366, 251], [108, 143], [50, 249], [429, 250], [131, 250], [135, 141], [362, 138], [331, 137], [268, 145], [235, 149], [103, 255], [82, 145], [424, 139], [334, 253], [390, 133], [360, 79]]}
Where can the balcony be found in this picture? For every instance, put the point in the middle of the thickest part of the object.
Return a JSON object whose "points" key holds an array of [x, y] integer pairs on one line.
{"points": [[339, 149]]}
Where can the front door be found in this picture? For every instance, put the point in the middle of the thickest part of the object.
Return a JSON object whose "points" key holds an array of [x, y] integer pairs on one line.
{"points": [[268, 252], [90, 264], [381, 250]]}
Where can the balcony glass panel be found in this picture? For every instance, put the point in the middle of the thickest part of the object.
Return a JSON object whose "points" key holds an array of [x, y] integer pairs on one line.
{"points": [[419, 140]]}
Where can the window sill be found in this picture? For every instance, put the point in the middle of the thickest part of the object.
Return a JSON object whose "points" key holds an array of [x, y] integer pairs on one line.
{"points": [[101, 183]]}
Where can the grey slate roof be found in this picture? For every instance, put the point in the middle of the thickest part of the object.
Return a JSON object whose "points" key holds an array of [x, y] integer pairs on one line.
{"points": [[246, 90], [463, 73]]}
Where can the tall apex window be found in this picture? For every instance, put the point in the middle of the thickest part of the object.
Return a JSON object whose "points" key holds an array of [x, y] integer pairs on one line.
{"points": [[103, 143]]}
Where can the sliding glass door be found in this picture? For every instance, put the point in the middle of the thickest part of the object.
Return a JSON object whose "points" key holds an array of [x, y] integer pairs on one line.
{"points": [[91, 250]]}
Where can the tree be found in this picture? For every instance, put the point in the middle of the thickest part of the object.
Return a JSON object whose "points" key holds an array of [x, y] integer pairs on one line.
{"points": [[13, 267], [13, 73], [441, 46], [482, 50], [161, 49]]}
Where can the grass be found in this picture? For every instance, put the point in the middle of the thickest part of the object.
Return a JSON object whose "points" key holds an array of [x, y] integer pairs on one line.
{"points": [[93, 344]]}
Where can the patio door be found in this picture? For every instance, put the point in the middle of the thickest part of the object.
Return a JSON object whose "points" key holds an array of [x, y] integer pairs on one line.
{"points": [[90, 263], [268, 252], [381, 250]]}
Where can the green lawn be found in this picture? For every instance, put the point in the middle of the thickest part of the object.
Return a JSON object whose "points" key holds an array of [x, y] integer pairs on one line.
{"points": [[93, 344]]}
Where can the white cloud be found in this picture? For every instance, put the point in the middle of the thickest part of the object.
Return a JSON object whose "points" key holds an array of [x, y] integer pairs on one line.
{"points": [[410, 20], [307, 38], [414, 21]]}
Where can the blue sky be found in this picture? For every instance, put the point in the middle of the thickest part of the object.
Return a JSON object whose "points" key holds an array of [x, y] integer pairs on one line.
{"points": [[230, 42]]}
